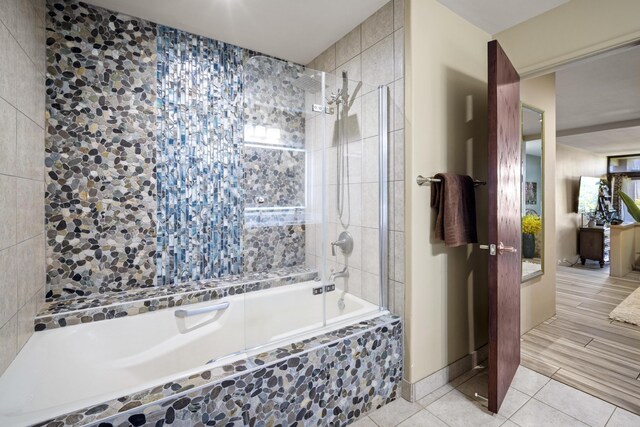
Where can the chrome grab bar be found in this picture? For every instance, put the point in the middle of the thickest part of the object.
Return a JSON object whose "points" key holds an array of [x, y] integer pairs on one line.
{"points": [[195, 311]]}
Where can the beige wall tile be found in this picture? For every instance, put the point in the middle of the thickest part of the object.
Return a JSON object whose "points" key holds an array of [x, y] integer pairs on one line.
{"points": [[25, 32], [8, 343], [397, 155], [377, 63], [9, 13], [348, 47], [398, 205], [8, 223], [398, 54], [8, 67], [30, 262], [30, 149], [398, 14], [398, 250], [7, 138], [370, 251], [353, 67], [355, 162], [30, 208], [398, 299], [41, 9], [25, 321], [371, 287], [22, 67], [397, 102], [326, 61], [370, 114], [370, 156], [8, 284], [377, 26], [353, 121], [353, 284], [390, 261], [30, 86], [370, 205], [355, 205]]}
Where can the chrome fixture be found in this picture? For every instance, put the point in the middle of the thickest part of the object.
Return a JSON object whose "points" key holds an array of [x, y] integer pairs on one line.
{"points": [[195, 311], [344, 242], [383, 189], [421, 180], [338, 274], [342, 96]]}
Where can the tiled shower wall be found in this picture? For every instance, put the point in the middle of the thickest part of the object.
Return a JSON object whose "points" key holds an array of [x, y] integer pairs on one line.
{"points": [[199, 152], [274, 160], [145, 157], [22, 122], [374, 53], [100, 202]]}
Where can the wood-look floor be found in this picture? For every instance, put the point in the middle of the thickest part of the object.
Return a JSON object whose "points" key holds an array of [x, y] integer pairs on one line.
{"points": [[580, 346]]}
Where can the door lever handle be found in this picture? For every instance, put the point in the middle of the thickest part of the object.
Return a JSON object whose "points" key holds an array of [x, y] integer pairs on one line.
{"points": [[502, 249]]}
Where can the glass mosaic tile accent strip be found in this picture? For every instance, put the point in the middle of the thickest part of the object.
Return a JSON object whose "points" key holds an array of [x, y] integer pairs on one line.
{"points": [[200, 201], [100, 201]]}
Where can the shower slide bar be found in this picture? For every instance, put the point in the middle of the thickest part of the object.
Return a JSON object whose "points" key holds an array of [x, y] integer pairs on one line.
{"points": [[193, 312], [421, 180]]}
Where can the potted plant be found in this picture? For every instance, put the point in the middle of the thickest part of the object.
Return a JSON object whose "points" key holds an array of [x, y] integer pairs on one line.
{"points": [[531, 225], [632, 206]]}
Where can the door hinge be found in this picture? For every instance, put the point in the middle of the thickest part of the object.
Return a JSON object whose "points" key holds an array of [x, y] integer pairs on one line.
{"points": [[317, 108]]}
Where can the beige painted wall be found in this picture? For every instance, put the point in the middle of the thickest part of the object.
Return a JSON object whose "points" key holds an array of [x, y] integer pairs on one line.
{"points": [[446, 62], [446, 102], [571, 163], [577, 29], [538, 296]]}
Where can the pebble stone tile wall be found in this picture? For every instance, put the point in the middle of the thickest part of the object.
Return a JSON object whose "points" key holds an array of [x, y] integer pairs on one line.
{"points": [[275, 165], [100, 199], [61, 312], [145, 155], [331, 379]]}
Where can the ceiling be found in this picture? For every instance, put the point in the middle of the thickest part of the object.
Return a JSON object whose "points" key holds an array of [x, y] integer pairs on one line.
{"points": [[295, 30], [598, 103], [494, 16]]}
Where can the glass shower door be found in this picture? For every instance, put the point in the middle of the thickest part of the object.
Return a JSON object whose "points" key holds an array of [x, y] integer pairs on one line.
{"points": [[354, 189], [284, 193]]}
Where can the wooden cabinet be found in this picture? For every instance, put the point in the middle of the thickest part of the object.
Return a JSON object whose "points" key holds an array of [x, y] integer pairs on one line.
{"points": [[594, 244]]}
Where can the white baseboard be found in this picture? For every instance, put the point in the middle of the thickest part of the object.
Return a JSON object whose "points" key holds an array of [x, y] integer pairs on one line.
{"points": [[418, 390]]}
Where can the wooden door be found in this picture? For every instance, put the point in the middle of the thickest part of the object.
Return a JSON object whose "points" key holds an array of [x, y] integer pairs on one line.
{"points": [[504, 224]]}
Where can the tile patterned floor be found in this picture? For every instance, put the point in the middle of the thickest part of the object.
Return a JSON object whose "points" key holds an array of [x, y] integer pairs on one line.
{"points": [[533, 400]]}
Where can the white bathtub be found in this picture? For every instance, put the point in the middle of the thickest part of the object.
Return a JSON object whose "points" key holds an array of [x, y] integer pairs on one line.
{"points": [[69, 368]]}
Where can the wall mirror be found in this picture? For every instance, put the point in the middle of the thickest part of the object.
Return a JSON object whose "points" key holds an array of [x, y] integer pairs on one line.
{"points": [[532, 254]]}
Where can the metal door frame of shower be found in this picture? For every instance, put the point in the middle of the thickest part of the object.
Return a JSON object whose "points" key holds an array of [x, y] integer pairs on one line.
{"points": [[383, 188]]}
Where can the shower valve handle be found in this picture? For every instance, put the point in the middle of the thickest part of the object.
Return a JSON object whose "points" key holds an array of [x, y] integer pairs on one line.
{"points": [[339, 243], [344, 242]]}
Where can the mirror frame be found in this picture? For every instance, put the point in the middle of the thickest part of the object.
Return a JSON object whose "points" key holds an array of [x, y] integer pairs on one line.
{"points": [[524, 105]]}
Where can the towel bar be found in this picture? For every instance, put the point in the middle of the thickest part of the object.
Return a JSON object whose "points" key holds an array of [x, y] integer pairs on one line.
{"points": [[421, 180]]}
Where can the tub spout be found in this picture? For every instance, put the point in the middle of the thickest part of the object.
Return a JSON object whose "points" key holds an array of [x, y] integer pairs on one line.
{"points": [[337, 274]]}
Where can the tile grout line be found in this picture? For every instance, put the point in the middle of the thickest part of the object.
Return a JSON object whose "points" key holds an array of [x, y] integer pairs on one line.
{"points": [[559, 410]]}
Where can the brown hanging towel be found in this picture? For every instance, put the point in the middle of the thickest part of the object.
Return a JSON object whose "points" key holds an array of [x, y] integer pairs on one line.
{"points": [[454, 200]]}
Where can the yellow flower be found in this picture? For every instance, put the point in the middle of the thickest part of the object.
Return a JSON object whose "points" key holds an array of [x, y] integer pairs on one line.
{"points": [[531, 224]]}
